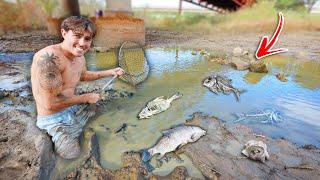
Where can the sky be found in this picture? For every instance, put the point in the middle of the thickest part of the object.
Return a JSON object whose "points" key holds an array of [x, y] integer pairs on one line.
{"points": [[172, 4]]}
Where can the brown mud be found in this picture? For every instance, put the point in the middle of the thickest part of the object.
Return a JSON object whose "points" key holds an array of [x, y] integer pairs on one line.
{"points": [[27, 153], [301, 44], [218, 154]]}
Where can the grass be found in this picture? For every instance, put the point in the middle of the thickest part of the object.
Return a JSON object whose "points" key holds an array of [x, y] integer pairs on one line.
{"points": [[260, 17]]}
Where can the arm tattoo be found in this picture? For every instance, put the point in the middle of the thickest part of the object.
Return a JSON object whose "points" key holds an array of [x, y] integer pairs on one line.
{"points": [[50, 77]]}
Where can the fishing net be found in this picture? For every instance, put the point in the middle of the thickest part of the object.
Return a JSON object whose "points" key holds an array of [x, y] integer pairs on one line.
{"points": [[133, 61]]}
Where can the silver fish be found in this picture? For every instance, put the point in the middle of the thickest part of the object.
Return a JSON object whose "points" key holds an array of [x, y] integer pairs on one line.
{"points": [[222, 84], [266, 116], [172, 139], [157, 105]]}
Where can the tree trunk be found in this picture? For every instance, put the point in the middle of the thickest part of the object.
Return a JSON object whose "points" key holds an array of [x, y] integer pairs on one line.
{"points": [[71, 7]]}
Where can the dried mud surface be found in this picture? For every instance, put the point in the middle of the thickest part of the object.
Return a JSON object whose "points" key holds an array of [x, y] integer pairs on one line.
{"points": [[301, 44]]}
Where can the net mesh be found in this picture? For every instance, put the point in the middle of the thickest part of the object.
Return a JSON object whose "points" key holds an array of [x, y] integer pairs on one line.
{"points": [[133, 61]]}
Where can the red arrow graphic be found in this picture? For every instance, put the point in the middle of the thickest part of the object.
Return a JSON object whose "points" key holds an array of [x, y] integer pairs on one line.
{"points": [[264, 48]]}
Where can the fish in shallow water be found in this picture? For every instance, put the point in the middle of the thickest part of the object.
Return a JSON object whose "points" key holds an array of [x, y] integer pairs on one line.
{"points": [[157, 105], [123, 128], [266, 116], [217, 83], [171, 140]]}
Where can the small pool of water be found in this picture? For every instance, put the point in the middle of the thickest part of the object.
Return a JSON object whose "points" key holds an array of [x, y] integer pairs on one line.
{"points": [[173, 70]]}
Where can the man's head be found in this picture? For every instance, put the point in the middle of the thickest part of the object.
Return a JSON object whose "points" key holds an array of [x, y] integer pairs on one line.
{"points": [[77, 32]]}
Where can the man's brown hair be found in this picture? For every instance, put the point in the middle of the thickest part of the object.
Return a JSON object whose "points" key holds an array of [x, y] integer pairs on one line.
{"points": [[78, 24]]}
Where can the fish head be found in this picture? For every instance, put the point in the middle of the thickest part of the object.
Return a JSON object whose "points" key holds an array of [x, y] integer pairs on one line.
{"points": [[197, 133], [145, 113], [209, 81]]}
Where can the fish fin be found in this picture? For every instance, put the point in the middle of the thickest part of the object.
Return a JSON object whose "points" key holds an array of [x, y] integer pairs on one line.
{"points": [[149, 167], [193, 137], [237, 94], [166, 133], [180, 146], [160, 156], [176, 96]]}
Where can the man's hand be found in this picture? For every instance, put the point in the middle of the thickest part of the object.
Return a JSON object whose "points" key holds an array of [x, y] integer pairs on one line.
{"points": [[91, 98], [117, 71]]}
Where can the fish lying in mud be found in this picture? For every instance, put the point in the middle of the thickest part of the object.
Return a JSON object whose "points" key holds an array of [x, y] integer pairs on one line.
{"points": [[267, 116], [256, 150], [157, 105], [171, 140], [217, 83]]}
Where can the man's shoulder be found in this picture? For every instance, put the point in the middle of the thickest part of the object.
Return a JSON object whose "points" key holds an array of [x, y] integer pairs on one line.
{"points": [[49, 50]]}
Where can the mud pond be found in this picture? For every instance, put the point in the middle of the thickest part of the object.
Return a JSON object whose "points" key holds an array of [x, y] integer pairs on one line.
{"points": [[177, 70]]}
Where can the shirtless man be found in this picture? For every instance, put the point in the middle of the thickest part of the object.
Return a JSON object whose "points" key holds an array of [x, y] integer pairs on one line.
{"points": [[55, 72]]}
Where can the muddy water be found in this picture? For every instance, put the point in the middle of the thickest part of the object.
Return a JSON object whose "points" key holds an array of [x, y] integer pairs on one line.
{"points": [[298, 101], [172, 70]]}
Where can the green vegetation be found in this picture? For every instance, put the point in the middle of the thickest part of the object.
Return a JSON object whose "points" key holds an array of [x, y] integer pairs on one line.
{"points": [[290, 5], [262, 16], [48, 6]]}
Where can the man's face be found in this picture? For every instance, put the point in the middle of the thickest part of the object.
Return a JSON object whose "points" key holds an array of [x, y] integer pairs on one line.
{"points": [[77, 43]]}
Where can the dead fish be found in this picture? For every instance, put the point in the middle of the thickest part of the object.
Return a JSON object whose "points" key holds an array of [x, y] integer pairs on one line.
{"points": [[218, 84], [171, 140], [256, 150], [123, 128], [266, 116], [157, 105]]}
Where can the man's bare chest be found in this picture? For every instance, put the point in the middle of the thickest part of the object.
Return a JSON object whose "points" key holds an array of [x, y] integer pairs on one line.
{"points": [[71, 74]]}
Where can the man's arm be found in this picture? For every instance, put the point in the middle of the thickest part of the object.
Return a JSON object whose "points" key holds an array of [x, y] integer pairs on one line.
{"points": [[50, 80], [94, 75]]}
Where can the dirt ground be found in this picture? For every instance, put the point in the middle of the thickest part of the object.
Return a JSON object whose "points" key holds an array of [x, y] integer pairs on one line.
{"points": [[26, 152], [301, 44]]}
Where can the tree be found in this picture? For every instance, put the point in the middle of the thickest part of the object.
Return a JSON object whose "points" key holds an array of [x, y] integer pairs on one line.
{"points": [[71, 7], [310, 4]]}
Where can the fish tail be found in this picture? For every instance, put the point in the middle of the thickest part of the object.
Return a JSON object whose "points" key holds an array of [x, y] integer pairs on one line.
{"points": [[145, 159], [237, 93], [239, 117], [145, 155], [176, 96]]}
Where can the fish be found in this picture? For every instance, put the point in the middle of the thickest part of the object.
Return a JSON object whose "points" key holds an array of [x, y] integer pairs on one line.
{"points": [[217, 83], [266, 116], [123, 128], [157, 105], [256, 150], [171, 140]]}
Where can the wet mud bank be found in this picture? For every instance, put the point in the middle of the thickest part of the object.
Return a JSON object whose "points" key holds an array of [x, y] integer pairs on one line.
{"points": [[131, 167], [25, 151], [218, 154]]}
